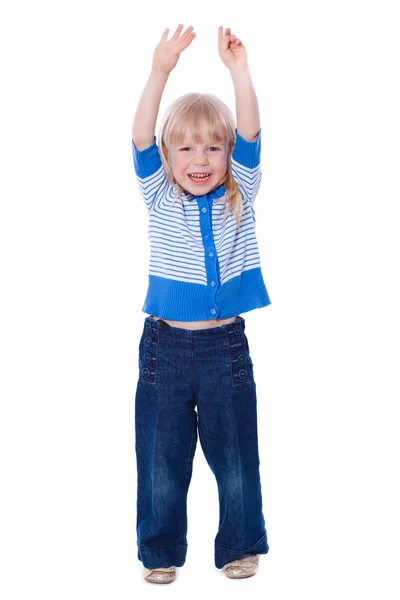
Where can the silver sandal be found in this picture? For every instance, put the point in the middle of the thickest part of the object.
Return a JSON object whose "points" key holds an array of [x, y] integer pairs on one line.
{"points": [[160, 575], [238, 569]]}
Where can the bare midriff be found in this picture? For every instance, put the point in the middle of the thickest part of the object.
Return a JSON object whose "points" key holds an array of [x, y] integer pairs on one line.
{"points": [[198, 324]]}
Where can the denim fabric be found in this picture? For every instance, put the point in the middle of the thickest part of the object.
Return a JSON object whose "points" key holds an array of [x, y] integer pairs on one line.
{"points": [[181, 370]]}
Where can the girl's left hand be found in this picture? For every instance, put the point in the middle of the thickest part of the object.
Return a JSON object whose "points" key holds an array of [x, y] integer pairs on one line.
{"points": [[231, 49]]}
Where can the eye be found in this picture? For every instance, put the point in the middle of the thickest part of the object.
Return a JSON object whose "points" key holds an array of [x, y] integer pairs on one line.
{"points": [[214, 148], [186, 148]]}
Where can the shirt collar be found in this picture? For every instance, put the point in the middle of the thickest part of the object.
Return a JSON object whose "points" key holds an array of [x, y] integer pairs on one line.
{"points": [[217, 193]]}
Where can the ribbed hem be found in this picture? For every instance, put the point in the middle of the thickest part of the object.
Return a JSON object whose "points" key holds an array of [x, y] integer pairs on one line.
{"points": [[147, 161], [181, 301], [247, 153]]}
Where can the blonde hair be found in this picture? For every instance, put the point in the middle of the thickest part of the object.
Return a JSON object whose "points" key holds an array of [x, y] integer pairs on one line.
{"points": [[192, 112]]}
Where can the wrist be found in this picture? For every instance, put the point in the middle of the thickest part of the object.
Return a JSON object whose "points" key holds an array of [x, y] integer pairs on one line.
{"points": [[159, 74], [239, 70]]}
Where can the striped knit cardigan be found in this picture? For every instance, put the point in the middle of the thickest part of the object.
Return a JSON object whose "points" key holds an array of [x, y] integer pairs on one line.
{"points": [[199, 269]]}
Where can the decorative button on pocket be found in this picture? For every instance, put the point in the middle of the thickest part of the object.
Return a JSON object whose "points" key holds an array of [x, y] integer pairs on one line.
{"points": [[237, 329], [242, 359], [147, 357], [147, 341], [145, 372], [242, 373]]}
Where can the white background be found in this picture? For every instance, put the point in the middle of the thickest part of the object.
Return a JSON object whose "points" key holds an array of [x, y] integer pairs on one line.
{"points": [[74, 259]]}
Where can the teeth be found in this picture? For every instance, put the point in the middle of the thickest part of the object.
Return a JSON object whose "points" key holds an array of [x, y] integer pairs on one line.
{"points": [[204, 176]]}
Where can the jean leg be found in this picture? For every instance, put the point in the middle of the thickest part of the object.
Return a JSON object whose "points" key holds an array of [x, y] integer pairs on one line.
{"points": [[166, 437], [227, 424]]}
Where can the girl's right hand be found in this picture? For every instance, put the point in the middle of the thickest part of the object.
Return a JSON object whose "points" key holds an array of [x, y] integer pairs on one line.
{"points": [[167, 52]]}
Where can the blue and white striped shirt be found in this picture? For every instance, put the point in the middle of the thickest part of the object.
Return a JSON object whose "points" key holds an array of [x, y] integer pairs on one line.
{"points": [[199, 269]]}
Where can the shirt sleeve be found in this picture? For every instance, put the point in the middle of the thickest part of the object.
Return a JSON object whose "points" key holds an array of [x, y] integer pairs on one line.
{"points": [[246, 167], [150, 172]]}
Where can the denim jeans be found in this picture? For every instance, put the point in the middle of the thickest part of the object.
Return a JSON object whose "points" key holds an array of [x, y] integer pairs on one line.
{"points": [[181, 370]]}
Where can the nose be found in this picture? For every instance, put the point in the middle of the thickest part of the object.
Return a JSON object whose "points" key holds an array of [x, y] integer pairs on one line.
{"points": [[201, 158]]}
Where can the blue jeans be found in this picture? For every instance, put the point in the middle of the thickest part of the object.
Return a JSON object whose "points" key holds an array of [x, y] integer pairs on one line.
{"points": [[181, 370]]}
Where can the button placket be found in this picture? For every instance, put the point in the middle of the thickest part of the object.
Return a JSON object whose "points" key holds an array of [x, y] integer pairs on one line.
{"points": [[210, 252], [148, 356], [238, 356]]}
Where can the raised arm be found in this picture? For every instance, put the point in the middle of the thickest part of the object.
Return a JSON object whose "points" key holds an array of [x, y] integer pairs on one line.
{"points": [[233, 55], [165, 58]]}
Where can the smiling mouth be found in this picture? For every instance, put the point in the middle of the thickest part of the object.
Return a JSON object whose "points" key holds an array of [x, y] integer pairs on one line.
{"points": [[199, 177]]}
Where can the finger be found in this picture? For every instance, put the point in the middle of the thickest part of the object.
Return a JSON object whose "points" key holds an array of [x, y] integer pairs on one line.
{"points": [[223, 40], [177, 32], [165, 34], [185, 43], [186, 33]]}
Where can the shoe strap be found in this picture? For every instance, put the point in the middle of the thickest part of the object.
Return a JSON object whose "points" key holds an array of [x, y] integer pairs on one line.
{"points": [[162, 569], [249, 563]]}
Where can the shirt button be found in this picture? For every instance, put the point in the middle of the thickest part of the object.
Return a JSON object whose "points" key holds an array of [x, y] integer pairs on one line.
{"points": [[213, 311], [213, 283], [204, 209], [211, 254]]}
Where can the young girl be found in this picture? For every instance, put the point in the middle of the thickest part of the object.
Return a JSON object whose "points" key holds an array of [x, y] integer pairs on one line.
{"points": [[199, 185]]}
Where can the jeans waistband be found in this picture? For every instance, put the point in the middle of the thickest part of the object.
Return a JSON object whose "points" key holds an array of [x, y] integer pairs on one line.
{"points": [[179, 333]]}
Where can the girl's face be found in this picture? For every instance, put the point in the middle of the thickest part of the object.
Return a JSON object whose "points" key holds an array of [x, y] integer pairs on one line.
{"points": [[207, 161]]}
